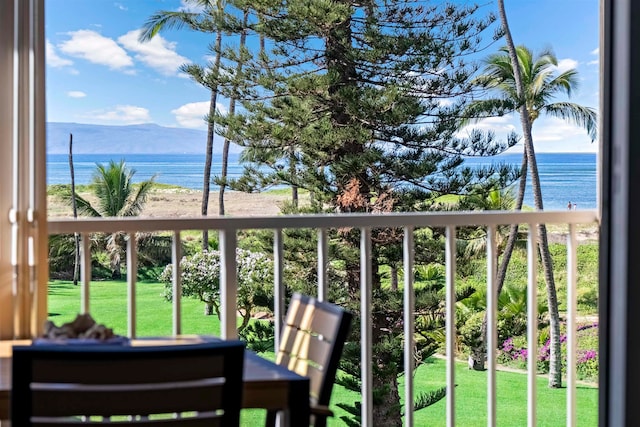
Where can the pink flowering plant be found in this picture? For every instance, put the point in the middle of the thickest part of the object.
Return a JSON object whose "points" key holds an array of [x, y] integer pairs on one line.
{"points": [[513, 352]]}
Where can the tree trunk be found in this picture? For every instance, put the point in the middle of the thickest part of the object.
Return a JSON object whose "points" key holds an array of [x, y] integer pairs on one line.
{"points": [[292, 174], [386, 412], [394, 277], [209, 150], [477, 357], [76, 236], [209, 309], [232, 111], [555, 367]]}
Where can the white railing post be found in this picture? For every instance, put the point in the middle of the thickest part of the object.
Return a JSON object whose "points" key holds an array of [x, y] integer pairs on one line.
{"points": [[228, 227], [228, 284], [85, 272], [366, 338], [532, 323], [132, 272], [323, 262], [278, 279], [572, 271], [409, 324], [492, 330], [176, 282], [450, 261]]}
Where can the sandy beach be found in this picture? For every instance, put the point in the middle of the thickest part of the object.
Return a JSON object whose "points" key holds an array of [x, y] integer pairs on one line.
{"points": [[186, 203], [180, 203]]}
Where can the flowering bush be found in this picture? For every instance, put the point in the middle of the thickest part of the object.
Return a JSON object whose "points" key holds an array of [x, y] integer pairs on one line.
{"points": [[513, 352], [201, 279]]}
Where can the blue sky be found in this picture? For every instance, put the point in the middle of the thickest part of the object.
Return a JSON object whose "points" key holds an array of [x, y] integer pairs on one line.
{"points": [[97, 71]]}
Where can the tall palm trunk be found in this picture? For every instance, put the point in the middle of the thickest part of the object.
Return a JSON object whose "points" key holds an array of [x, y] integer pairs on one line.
{"points": [[232, 110], [209, 150], [477, 354], [555, 368], [76, 236], [513, 231]]}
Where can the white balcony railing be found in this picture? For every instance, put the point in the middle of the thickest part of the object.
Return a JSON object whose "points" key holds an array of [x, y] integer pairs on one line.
{"points": [[228, 228]]}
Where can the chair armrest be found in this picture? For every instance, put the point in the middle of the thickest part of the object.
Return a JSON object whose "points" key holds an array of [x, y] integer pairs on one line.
{"points": [[322, 410]]}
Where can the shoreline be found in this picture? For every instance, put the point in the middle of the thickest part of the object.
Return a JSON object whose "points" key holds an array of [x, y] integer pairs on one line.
{"points": [[180, 202]]}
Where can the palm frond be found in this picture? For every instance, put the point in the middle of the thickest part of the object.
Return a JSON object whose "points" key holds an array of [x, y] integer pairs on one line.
{"points": [[165, 20], [485, 108], [84, 207], [135, 205], [426, 399], [585, 117]]}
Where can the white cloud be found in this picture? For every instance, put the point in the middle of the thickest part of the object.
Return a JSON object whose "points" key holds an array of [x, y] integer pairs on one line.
{"points": [[125, 114], [157, 53], [566, 64], [595, 52], [96, 48], [52, 57], [192, 115], [500, 125], [120, 6], [552, 129], [76, 94]]}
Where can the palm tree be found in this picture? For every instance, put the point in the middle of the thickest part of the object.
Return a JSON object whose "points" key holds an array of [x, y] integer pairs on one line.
{"points": [[528, 84], [204, 18], [115, 195], [494, 200]]}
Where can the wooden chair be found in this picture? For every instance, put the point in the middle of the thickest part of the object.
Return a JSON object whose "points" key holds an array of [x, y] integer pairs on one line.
{"points": [[173, 385], [311, 345]]}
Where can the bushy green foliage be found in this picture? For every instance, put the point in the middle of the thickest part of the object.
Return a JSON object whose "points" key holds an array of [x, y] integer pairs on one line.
{"points": [[200, 275], [513, 351]]}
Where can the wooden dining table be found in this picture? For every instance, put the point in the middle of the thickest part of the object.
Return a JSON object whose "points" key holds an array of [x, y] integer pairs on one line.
{"points": [[266, 384]]}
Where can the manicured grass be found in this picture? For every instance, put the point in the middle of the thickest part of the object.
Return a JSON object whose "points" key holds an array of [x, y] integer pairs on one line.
{"points": [[108, 305]]}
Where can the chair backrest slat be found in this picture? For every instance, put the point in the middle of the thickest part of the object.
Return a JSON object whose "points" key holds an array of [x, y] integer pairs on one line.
{"points": [[312, 341], [301, 345], [181, 385]]}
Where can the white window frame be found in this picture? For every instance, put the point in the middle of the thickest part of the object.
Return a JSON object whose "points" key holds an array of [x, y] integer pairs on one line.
{"points": [[23, 233], [620, 208], [23, 214]]}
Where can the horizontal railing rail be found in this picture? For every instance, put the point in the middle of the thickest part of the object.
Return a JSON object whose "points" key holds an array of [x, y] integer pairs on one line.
{"points": [[431, 219], [229, 226]]}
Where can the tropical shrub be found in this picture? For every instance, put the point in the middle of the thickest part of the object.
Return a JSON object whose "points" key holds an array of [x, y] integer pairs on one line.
{"points": [[513, 352], [201, 279]]}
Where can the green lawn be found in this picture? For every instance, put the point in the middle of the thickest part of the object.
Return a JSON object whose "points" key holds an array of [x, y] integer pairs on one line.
{"points": [[108, 305]]}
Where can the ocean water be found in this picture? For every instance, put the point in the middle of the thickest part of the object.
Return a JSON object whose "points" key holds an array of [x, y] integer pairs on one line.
{"points": [[564, 177]]}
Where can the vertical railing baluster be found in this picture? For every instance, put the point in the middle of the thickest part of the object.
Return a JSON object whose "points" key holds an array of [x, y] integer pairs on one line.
{"points": [[85, 272], [323, 262], [572, 272], [450, 261], [176, 279], [492, 333], [132, 272], [409, 324], [365, 328], [278, 279], [228, 284], [532, 323]]}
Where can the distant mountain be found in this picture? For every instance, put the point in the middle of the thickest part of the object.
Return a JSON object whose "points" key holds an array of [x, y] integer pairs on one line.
{"points": [[131, 139]]}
